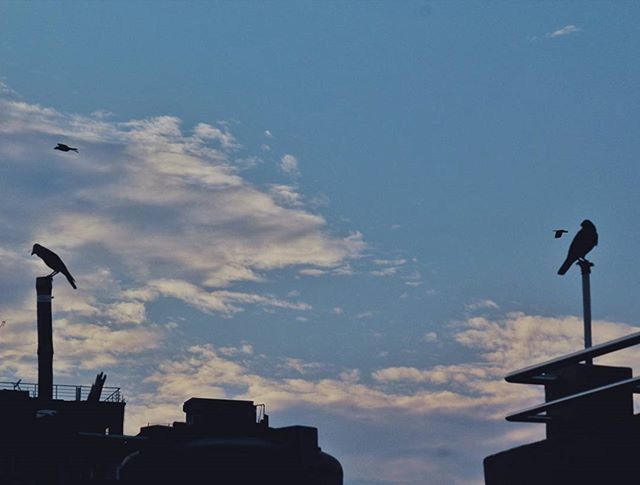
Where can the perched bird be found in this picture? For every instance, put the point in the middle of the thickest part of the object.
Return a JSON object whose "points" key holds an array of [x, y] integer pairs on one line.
{"points": [[54, 262], [585, 240], [559, 232], [65, 148]]}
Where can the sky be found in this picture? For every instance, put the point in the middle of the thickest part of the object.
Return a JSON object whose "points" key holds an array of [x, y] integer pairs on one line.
{"points": [[343, 210]]}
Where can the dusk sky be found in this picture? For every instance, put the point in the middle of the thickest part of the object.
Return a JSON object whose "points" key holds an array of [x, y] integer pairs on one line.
{"points": [[343, 210]]}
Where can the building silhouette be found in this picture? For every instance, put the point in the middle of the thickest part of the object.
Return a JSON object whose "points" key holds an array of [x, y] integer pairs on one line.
{"points": [[592, 433], [73, 435]]}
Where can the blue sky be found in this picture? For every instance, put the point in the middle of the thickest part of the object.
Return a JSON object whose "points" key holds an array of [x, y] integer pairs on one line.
{"points": [[342, 209]]}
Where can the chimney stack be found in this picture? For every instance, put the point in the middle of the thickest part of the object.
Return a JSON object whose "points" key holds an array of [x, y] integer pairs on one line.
{"points": [[45, 338]]}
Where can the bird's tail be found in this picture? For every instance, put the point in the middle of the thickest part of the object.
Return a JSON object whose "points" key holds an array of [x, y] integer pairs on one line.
{"points": [[74, 149], [565, 266], [70, 279]]}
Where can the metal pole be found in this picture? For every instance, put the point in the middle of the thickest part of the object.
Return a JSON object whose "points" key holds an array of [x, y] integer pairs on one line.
{"points": [[585, 268], [45, 339]]}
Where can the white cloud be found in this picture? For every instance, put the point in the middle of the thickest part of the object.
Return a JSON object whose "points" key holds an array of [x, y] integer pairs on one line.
{"points": [[390, 262], [474, 389], [430, 337], [391, 266], [391, 270], [207, 301], [286, 195], [301, 366], [246, 349], [312, 272], [483, 305], [208, 132], [189, 213], [289, 165], [566, 30], [465, 402], [365, 314], [127, 312]]}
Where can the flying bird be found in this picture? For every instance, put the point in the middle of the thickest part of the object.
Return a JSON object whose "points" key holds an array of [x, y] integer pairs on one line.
{"points": [[54, 262], [584, 241], [559, 232], [65, 148]]}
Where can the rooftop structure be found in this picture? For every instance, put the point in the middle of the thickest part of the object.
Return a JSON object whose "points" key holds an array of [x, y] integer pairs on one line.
{"points": [[56, 434], [592, 431]]}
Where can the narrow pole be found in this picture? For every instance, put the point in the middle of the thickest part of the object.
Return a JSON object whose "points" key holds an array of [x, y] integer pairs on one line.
{"points": [[45, 339], [585, 268]]}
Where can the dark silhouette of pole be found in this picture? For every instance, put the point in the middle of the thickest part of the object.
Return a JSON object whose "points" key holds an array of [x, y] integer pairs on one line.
{"points": [[45, 338], [585, 268]]}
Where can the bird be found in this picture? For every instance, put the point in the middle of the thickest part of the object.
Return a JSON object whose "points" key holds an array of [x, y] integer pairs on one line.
{"points": [[54, 262], [583, 242], [559, 232], [65, 148]]}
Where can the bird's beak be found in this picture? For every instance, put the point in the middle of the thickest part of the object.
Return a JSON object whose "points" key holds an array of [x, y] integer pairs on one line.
{"points": [[32, 253]]}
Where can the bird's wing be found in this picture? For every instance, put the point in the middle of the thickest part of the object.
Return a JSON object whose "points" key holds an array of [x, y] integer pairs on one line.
{"points": [[52, 259], [575, 249]]}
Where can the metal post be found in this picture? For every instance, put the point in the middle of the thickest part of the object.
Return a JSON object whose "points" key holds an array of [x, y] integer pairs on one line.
{"points": [[45, 338], [585, 267]]}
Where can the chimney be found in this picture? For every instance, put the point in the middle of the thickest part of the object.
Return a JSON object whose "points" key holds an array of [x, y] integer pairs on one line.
{"points": [[45, 338]]}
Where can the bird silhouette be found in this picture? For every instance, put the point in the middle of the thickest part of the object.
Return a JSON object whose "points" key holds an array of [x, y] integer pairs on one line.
{"points": [[54, 262], [559, 232], [65, 148], [584, 241]]}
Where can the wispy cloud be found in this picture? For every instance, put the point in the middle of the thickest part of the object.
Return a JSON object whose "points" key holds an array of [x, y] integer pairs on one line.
{"points": [[566, 30], [482, 305], [289, 165]]}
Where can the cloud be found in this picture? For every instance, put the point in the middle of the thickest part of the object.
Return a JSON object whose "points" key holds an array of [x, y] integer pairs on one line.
{"points": [[207, 301], [127, 312], [365, 314], [208, 132], [482, 305], [300, 366], [312, 272], [246, 349], [390, 262], [460, 404], [430, 337], [82, 340], [147, 199], [385, 272], [566, 30], [289, 165], [286, 195]]}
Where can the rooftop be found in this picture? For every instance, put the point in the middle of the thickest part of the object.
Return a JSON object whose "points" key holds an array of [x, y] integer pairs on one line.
{"points": [[64, 392]]}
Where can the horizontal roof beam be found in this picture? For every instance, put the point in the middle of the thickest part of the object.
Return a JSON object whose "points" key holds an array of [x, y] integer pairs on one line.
{"points": [[540, 373], [533, 414]]}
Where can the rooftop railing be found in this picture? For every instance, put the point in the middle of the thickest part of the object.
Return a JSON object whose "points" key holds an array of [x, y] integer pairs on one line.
{"points": [[65, 392]]}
